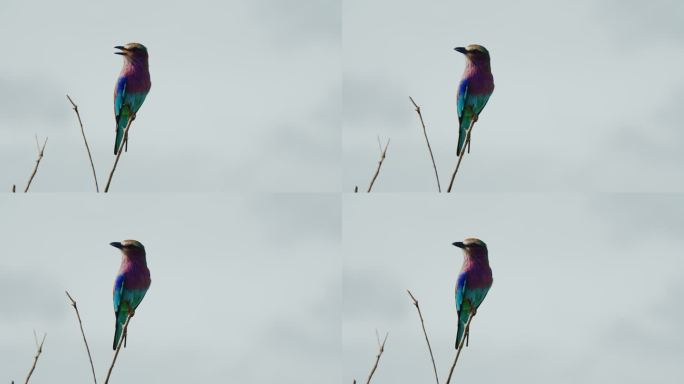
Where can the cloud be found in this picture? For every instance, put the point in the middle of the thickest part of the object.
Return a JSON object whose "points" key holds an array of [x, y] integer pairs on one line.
{"points": [[26, 101], [29, 296], [645, 24], [373, 99], [363, 301], [301, 23], [640, 218]]}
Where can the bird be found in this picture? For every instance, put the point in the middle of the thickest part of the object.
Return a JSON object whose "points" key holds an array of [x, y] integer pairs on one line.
{"points": [[474, 90], [132, 87], [131, 284], [473, 283]]}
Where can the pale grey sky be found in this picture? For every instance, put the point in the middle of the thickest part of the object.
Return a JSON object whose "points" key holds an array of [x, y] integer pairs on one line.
{"points": [[246, 95], [244, 289], [587, 288], [586, 97], [268, 109]]}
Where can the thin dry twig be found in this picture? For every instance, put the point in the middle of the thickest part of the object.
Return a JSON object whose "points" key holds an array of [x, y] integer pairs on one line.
{"points": [[35, 169], [90, 157], [121, 341], [381, 349], [118, 154], [432, 157], [80, 324], [466, 330], [383, 153], [422, 323], [35, 358], [460, 155]]}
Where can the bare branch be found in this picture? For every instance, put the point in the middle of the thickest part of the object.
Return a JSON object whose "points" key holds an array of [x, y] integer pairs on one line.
{"points": [[35, 169], [383, 153], [463, 339], [377, 358], [80, 324], [90, 157], [123, 334], [422, 323], [118, 154], [434, 166], [460, 155], [35, 358]]}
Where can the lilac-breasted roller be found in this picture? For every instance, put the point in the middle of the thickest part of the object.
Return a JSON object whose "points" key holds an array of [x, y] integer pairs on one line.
{"points": [[474, 90], [131, 87], [132, 282], [473, 282]]}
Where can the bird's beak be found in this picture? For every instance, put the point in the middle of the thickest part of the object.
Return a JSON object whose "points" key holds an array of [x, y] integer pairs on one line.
{"points": [[461, 49], [116, 244], [122, 48], [459, 244]]}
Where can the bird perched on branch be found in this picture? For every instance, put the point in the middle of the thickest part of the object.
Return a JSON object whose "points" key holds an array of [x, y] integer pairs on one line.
{"points": [[131, 87], [474, 90], [132, 282], [473, 282]]}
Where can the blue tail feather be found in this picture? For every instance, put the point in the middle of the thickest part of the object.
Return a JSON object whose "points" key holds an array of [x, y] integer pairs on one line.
{"points": [[120, 128], [464, 124]]}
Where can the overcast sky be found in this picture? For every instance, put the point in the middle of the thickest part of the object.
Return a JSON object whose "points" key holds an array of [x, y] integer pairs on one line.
{"points": [[260, 106], [246, 95], [243, 289], [586, 288], [587, 94]]}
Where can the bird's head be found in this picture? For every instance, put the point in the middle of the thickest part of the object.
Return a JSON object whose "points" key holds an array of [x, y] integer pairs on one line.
{"points": [[133, 52], [472, 247], [474, 53], [130, 248]]}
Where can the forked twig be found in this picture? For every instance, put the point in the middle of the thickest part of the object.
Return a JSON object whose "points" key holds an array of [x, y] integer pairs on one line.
{"points": [[90, 157], [422, 323], [432, 157], [381, 349], [121, 340], [118, 154], [460, 155], [73, 304], [35, 358], [466, 330], [41, 150], [383, 153]]}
